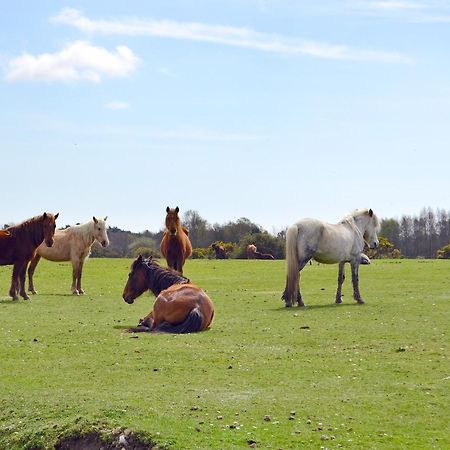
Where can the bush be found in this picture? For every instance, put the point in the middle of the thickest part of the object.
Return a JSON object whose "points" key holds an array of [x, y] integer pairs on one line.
{"points": [[146, 252], [202, 253], [385, 249], [444, 252]]}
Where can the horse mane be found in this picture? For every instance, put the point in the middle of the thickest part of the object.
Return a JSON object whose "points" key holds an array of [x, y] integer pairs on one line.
{"points": [[349, 218], [35, 224], [160, 278]]}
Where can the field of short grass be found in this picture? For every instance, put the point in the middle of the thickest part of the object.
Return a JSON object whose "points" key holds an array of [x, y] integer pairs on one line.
{"points": [[375, 376]]}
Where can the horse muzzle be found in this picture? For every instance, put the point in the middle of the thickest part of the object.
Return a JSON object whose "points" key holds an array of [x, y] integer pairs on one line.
{"points": [[105, 244], [49, 242], [128, 299]]}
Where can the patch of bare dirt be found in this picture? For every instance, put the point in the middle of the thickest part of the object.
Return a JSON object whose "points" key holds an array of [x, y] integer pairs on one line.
{"points": [[117, 440]]}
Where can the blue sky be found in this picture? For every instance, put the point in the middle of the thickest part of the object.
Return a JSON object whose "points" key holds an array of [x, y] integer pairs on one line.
{"points": [[268, 109]]}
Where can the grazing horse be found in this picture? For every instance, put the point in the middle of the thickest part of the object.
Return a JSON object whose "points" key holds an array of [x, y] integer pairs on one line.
{"points": [[219, 250], [18, 245], [71, 244], [329, 244], [175, 245], [180, 306]]}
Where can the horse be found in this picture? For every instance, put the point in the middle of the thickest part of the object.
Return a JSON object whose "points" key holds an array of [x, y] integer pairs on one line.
{"points": [[251, 249], [219, 250], [180, 307], [329, 244], [18, 245], [175, 244], [71, 244], [252, 253]]}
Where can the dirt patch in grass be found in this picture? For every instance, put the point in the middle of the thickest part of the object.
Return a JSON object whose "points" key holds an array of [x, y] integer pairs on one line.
{"points": [[122, 440]]}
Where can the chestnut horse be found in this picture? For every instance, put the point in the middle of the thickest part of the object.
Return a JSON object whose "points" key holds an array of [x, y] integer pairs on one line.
{"points": [[252, 253], [180, 307], [18, 245], [71, 244], [175, 245]]}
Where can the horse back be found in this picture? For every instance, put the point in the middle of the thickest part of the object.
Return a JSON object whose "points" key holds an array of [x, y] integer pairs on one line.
{"points": [[175, 303]]}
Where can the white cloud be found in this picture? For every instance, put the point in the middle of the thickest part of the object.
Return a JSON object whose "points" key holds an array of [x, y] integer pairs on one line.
{"points": [[75, 62], [220, 34], [117, 105]]}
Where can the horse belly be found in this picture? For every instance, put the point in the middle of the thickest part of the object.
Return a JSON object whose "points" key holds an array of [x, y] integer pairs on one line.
{"points": [[58, 252]]}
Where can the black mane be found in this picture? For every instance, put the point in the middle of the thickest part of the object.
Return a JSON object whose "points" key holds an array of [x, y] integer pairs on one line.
{"points": [[160, 278]]}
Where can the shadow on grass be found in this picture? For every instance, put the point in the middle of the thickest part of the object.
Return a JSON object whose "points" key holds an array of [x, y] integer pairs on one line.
{"points": [[312, 307]]}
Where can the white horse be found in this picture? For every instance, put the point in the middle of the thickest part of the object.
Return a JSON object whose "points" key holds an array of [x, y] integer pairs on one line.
{"points": [[329, 244], [72, 244]]}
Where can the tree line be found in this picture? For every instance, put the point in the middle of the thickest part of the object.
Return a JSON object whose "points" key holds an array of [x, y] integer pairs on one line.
{"points": [[426, 235]]}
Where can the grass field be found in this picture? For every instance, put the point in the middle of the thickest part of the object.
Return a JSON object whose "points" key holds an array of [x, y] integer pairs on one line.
{"points": [[375, 376]]}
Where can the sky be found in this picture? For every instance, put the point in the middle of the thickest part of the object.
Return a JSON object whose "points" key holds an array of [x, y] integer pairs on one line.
{"points": [[271, 110]]}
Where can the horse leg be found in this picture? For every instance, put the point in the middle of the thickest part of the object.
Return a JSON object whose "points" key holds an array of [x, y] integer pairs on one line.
{"points": [[75, 269], [296, 296], [355, 281], [80, 271], [34, 262], [341, 278], [13, 291], [22, 273]]}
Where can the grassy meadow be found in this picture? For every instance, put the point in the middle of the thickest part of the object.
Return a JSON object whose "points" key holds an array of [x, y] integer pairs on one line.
{"points": [[375, 376]]}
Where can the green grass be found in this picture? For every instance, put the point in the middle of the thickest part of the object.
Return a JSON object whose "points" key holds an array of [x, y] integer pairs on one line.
{"points": [[328, 376]]}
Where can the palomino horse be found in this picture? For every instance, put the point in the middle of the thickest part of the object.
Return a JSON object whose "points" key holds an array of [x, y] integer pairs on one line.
{"points": [[71, 244], [180, 306], [175, 245], [18, 245], [329, 243]]}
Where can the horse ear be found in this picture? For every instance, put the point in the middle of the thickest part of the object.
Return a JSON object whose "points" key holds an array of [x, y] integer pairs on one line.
{"points": [[139, 258], [167, 209], [105, 218], [95, 220], [56, 215], [370, 213], [44, 215], [177, 210]]}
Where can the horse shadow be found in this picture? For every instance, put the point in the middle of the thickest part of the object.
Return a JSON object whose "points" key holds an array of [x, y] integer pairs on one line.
{"points": [[318, 307]]}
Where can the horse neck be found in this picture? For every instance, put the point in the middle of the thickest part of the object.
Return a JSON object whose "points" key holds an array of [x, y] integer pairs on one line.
{"points": [[159, 278], [86, 230]]}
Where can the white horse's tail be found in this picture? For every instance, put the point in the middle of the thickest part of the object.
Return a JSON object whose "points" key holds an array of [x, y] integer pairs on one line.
{"points": [[292, 266]]}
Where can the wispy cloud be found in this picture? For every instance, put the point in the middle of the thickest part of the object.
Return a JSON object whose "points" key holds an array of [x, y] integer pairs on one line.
{"points": [[116, 105], [78, 61], [221, 34]]}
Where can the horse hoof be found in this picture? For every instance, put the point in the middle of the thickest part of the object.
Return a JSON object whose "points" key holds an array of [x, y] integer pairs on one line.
{"points": [[338, 301], [33, 292], [25, 297], [360, 301], [75, 293], [81, 292]]}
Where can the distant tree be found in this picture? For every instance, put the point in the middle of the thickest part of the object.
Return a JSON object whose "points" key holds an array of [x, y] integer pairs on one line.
{"points": [[198, 228], [144, 246]]}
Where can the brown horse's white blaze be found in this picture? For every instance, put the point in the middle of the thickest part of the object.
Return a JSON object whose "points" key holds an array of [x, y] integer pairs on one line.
{"points": [[71, 244], [180, 307], [175, 244], [18, 246]]}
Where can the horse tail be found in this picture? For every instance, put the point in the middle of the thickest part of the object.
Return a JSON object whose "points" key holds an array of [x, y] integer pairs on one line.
{"points": [[191, 324], [292, 265]]}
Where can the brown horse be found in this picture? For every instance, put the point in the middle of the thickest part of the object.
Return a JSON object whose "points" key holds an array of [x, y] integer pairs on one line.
{"points": [[219, 251], [180, 306], [175, 245], [18, 245]]}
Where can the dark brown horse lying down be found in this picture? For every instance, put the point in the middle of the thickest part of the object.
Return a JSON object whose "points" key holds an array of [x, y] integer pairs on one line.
{"points": [[180, 306]]}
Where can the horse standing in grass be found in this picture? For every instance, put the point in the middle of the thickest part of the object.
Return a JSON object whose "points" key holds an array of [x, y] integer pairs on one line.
{"points": [[71, 244], [180, 306], [329, 244], [18, 245], [175, 245]]}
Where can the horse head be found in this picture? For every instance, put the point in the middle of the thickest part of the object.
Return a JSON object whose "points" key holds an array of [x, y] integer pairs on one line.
{"points": [[100, 233], [137, 280], [172, 220], [49, 227], [371, 229]]}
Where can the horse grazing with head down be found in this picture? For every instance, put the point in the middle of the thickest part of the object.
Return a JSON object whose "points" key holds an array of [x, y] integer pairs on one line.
{"points": [[175, 245], [18, 245], [329, 243], [71, 244], [180, 306]]}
